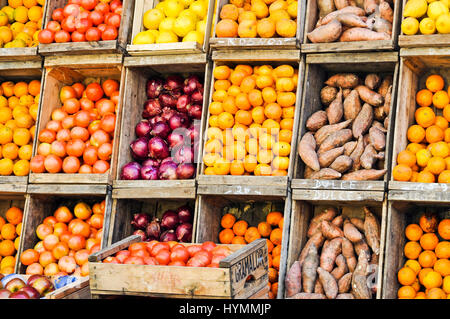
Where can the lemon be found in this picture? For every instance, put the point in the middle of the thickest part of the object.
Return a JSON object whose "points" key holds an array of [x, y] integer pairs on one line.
{"points": [[25, 37], [21, 14], [443, 23], [155, 33], [292, 9], [410, 26], [9, 12], [152, 19], [186, 3], [427, 26], [183, 25], [16, 28], [446, 2], [166, 37], [201, 26], [436, 9], [194, 36], [200, 8], [144, 37], [160, 6], [4, 20], [415, 8], [173, 8], [190, 14], [166, 24]]}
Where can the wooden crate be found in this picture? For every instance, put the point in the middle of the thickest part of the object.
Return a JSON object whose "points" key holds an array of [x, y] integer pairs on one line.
{"points": [[257, 43], [61, 71], [123, 209], [421, 40], [415, 66], [41, 203], [19, 55], [312, 16], [137, 71], [228, 281], [401, 214], [210, 210], [318, 68], [253, 185], [19, 71], [143, 6], [305, 207], [93, 47], [77, 290]]}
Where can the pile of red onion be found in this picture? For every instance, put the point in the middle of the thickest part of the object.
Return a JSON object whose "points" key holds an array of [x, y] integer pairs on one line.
{"points": [[168, 134], [174, 225]]}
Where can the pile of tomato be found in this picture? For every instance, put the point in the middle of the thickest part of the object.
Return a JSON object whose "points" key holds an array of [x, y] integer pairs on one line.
{"points": [[171, 253], [83, 20]]}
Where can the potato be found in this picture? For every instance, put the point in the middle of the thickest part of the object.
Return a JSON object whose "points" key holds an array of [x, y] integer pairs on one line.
{"points": [[314, 226], [342, 163], [370, 6], [352, 105], [351, 232], [369, 96], [317, 240], [327, 130], [326, 33], [335, 110], [328, 157], [379, 126], [362, 34], [387, 101], [345, 296], [362, 246], [318, 289], [328, 282], [363, 121], [349, 147], [385, 84], [328, 94], [341, 268], [351, 20], [307, 151], [345, 283], [343, 80], [368, 157], [309, 269], [336, 139], [325, 7], [346, 92], [377, 138], [372, 231], [330, 231], [331, 16], [293, 280], [340, 4], [329, 253], [381, 25], [317, 120], [338, 221], [372, 81], [326, 173], [358, 222], [386, 11], [365, 175]]}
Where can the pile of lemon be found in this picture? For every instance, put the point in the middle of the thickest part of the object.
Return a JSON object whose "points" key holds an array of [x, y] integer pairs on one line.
{"points": [[433, 15], [20, 23], [174, 21]]}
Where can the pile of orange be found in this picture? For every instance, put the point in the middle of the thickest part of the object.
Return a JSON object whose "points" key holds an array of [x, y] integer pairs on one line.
{"points": [[10, 230], [19, 103], [240, 232], [426, 273], [67, 238], [20, 23], [258, 18], [251, 120], [426, 159]]}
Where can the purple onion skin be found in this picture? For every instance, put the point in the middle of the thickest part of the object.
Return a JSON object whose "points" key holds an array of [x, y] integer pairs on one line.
{"points": [[195, 111], [140, 221], [131, 171], [168, 170], [185, 214], [150, 162], [179, 120], [158, 148], [154, 87], [184, 232], [183, 103], [169, 219], [175, 139], [143, 129], [191, 84], [153, 229], [168, 235], [184, 154], [139, 148], [152, 108], [161, 130], [167, 113], [185, 171], [173, 83], [168, 100], [149, 173], [141, 233], [167, 159], [197, 97]]}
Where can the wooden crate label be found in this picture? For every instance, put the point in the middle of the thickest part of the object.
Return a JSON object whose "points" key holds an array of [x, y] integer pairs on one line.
{"points": [[419, 187], [334, 184], [419, 196], [252, 41], [337, 195], [247, 266]]}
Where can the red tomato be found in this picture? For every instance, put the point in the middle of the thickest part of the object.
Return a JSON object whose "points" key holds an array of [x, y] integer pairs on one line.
{"points": [[75, 2], [68, 24], [71, 10], [108, 122], [94, 91], [163, 257], [105, 151], [93, 34], [53, 26], [83, 25], [77, 37], [111, 260], [150, 244], [94, 126], [140, 253], [71, 106], [47, 136], [75, 147], [122, 255], [53, 163], [102, 7], [217, 258], [204, 256], [113, 20], [62, 36], [82, 118], [178, 246], [79, 132], [83, 15], [110, 86], [102, 27], [193, 249], [71, 165], [208, 245], [86, 104], [37, 164], [105, 106], [99, 137], [137, 246], [221, 250], [79, 89], [90, 155], [58, 14], [63, 135], [100, 167], [67, 92], [68, 122], [133, 260], [157, 247], [195, 262], [115, 97], [177, 263], [110, 33], [179, 255], [96, 17], [46, 36], [150, 261], [58, 148], [54, 125], [89, 4], [85, 169], [115, 4]]}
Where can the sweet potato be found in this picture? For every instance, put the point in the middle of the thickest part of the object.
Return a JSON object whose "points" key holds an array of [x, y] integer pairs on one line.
{"points": [[351, 263], [363, 121], [386, 122], [362, 246], [352, 105], [314, 226], [317, 240], [378, 113], [307, 151], [317, 120], [329, 253], [327, 130], [377, 138], [358, 222], [347, 248], [370, 6], [326, 173], [368, 157], [309, 269], [349, 147], [381, 25], [338, 221], [360, 4], [383, 89], [343, 80], [351, 20], [307, 172], [293, 280], [371, 97], [342, 164], [335, 139], [328, 282], [340, 4], [356, 154], [364, 175], [325, 7], [372, 81], [328, 94], [366, 139], [318, 289], [329, 32], [329, 230], [331, 16], [387, 101], [386, 11], [345, 283], [345, 296], [362, 34], [335, 110], [341, 268], [328, 157], [359, 279], [372, 231], [351, 232], [306, 295], [379, 126]]}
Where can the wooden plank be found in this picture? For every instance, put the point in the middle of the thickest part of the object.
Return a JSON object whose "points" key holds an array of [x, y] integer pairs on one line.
{"points": [[256, 55], [67, 189], [13, 184], [79, 289], [84, 61], [63, 178], [153, 60], [169, 190], [337, 184], [114, 248], [338, 58], [335, 195]]}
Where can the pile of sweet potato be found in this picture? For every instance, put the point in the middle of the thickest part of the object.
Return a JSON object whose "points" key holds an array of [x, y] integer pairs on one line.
{"points": [[339, 260], [347, 140], [353, 20]]}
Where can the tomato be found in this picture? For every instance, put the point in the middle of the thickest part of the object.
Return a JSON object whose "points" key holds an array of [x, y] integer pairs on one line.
{"points": [[75, 147], [115, 97], [79, 132], [221, 250], [89, 4], [68, 122], [178, 246], [53, 125], [96, 17], [94, 115], [110, 260], [208, 245], [94, 91], [157, 247], [63, 135], [109, 34], [150, 261], [68, 24], [105, 151], [110, 86], [140, 253], [53, 163], [193, 249], [122, 255], [150, 244], [67, 92], [94, 126], [90, 155], [179, 255], [37, 164], [113, 20], [71, 10], [100, 167], [46, 36], [47, 136], [93, 34], [102, 7], [86, 104], [71, 165], [177, 263], [195, 262], [58, 15], [58, 148], [79, 89], [85, 169], [53, 26], [133, 260], [71, 106], [77, 37], [163, 257], [204, 256], [83, 15], [82, 118], [108, 122], [137, 246], [83, 25], [75, 2], [115, 4], [105, 106], [99, 137], [102, 27], [217, 258]]}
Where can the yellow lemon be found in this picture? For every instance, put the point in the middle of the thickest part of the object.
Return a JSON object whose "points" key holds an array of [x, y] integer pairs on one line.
{"points": [[201, 26], [3, 19], [173, 8], [155, 33], [194, 36], [443, 23], [410, 26], [9, 12], [415, 8], [152, 18], [144, 37], [292, 9], [183, 25], [25, 37], [187, 3], [166, 37], [436, 9], [189, 13], [427, 26], [160, 6], [200, 8], [166, 24]]}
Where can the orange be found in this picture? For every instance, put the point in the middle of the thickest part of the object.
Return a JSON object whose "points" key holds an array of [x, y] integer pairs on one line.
{"points": [[8, 231], [444, 228], [436, 293], [446, 285], [427, 258], [264, 156], [440, 149], [264, 229], [260, 9], [209, 171], [401, 172], [210, 158], [227, 28], [423, 157], [225, 120], [7, 248], [14, 215], [446, 112], [288, 112], [444, 177], [266, 141], [428, 222], [242, 102], [406, 292], [272, 126], [247, 84], [237, 168], [281, 149], [432, 279], [265, 28], [243, 117], [258, 114], [21, 136], [276, 236], [407, 158], [219, 96], [280, 163], [229, 105], [6, 135], [412, 250], [222, 72], [441, 122], [269, 95], [229, 11], [442, 249], [20, 89], [255, 98], [406, 276], [436, 165], [273, 275], [215, 108], [440, 99], [442, 266], [429, 241], [434, 134], [263, 81], [273, 111], [247, 69], [413, 232], [82, 211], [34, 87], [274, 218], [414, 176], [10, 151], [226, 236], [276, 262], [227, 221], [414, 265], [285, 136], [250, 163], [222, 85], [286, 28], [246, 15], [425, 177], [213, 146], [424, 116], [263, 170], [237, 76], [234, 90], [251, 234], [221, 167], [424, 97], [5, 114], [239, 240], [434, 83], [422, 273], [240, 227], [2, 222]]}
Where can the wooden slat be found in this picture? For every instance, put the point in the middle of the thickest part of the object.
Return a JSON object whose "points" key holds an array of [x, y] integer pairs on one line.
{"points": [[84, 61], [76, 290], [336, 195], [158, 189], [154, 60], [67, 189], [256, 55], [114, 248]]}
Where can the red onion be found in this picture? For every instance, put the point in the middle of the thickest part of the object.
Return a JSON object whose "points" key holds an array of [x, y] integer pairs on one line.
{"points": [[168, 235], [160, 129], [143, 129], [174, 82], [158, 148], [153, 229], [185, 214], [152, 108], [169, 219], [197, 96], [183, 103], [194, 132], [167, 159], [131, 171], [178, 120], [184, 232], [168, 170], [141, 233], [140, 148], [157, 119], [195, 111], [190, 84], [167, 113], [185, 170], [175, 138], [149, 173], [140, 221], [150, 162], [151, 238], [154, 87], [184, 154], [167, 100]]}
